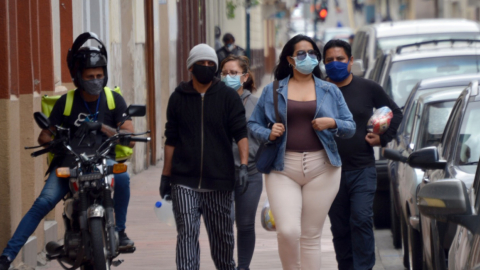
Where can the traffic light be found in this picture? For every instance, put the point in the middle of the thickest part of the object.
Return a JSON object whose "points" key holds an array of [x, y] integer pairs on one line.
{"points": [[321, 11], [322, 14]]}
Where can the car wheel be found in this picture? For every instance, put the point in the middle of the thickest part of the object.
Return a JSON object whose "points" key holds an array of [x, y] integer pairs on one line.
{"points": [[381, 209], [395, 223], [404, 232], [415, 249]]}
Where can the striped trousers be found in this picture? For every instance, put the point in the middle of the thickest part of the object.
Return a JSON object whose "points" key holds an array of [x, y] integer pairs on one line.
{"points": [[215, 206]]}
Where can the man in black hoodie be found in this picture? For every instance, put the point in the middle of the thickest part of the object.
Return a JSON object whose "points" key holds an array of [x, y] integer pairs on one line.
{"points": [[203, 117]]}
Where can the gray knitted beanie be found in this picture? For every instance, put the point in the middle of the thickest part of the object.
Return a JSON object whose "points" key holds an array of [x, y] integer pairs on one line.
{"points": [[202, 52]]}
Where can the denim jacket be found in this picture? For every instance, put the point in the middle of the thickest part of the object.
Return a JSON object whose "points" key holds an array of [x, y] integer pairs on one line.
{"points": [[330, 103]]}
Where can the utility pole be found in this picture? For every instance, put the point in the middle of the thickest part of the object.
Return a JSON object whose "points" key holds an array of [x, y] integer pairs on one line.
{"points": [[315, 20], [388, 17], [248, 4]]}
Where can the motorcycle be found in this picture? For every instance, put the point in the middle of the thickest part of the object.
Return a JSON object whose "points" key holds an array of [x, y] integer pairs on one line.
{"points": [[90, 240]]}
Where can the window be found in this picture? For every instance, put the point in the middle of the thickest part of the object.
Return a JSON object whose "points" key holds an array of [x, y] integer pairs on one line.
{"points": [[434, 118], [411, 117], [366, 53], [405, 74], [468, 148], [358, 44], [450, 125]]}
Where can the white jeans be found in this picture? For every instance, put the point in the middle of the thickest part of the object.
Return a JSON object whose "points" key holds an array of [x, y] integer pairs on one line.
{"points": [[300, 197]]}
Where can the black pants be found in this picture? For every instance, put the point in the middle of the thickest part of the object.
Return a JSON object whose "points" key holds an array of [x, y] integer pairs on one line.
{"points": [[245, 211], [215, 206], [351, 219]]}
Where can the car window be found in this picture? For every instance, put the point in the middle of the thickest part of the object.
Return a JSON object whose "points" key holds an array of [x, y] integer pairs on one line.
{"points": [[468, 148], [378, 71], [411, 117], [449, 126], [476, 189], [376, 67], [434, 118], [403, 75], [358, 45], [366, 53], [387, 43]]}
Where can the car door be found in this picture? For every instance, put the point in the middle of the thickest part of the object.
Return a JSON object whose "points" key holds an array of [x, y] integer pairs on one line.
{"points": [[407, 173], [465, 249]]}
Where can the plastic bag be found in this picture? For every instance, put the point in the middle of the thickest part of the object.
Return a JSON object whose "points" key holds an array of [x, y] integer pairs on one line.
{"points": [[267, 220], [380, 120]]}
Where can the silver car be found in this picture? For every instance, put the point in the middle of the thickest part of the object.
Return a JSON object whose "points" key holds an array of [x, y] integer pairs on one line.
{"points": [[374, 39], [423, 127]]}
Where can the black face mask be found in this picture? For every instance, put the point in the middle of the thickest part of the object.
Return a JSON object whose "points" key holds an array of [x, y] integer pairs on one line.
{"points": [[203, 74]]}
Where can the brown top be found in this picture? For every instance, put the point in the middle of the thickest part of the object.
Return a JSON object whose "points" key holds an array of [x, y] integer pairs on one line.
{"points": [[301, 136]]}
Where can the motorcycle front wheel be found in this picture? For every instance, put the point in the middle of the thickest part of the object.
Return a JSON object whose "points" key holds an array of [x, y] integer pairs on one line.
{"points": [[98, 240]]}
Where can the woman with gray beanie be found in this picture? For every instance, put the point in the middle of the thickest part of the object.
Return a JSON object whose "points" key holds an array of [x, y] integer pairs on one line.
{"points": [[204, 116]]}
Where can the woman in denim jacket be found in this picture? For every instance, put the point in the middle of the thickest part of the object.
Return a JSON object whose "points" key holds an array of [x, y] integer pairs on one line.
{"points": [[305, 175]]}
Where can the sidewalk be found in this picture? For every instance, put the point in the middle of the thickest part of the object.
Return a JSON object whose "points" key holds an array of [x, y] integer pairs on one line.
{"points": [[156, 241]]}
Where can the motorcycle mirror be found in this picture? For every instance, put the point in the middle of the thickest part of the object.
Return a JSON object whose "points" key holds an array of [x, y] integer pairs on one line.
{"points": [[42, 120], [136, 110]]}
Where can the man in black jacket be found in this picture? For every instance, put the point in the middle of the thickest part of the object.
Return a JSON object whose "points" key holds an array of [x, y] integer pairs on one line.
{"points": [[203, 118], [352, 210]]}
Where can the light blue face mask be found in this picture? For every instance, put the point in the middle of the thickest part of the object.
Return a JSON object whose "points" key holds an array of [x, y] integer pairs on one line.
{"points": [[232, 81], [305, 66]]}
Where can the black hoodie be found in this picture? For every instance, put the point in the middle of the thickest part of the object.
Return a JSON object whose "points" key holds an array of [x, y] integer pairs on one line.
{"points": [[201, 130]]}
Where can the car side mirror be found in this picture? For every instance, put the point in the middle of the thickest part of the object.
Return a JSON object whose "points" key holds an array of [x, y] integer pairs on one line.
{"points": [[426, 159], [357, 68], [393, 155], [448, 200], [42, 121], [136, 110]]}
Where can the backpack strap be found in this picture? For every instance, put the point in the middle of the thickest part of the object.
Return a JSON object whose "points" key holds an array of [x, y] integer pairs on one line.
{"points": [[69, 103], [275, 101]]}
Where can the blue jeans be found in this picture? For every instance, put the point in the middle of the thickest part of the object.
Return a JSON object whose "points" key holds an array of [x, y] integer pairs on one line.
{"points": [[54, 190], [245, 211], [351, 219]]}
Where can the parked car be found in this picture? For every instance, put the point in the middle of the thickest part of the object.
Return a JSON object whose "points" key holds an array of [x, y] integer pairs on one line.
{"points": [[460, 204], [401, 71], [402, 179], [374, 39], [455, 157], [424, 127]]}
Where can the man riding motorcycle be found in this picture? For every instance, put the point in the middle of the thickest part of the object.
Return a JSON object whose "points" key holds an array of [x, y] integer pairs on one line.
{"points": [[90, 122]]}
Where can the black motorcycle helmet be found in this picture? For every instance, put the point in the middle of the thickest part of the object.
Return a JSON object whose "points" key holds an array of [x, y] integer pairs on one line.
{"points": [[80, 58]]}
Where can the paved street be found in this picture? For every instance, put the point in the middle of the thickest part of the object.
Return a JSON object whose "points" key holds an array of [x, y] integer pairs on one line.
{"points": [[155, 241]]}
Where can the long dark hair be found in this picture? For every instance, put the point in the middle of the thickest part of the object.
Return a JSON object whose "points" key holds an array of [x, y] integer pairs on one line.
{"points": [[283, 69]]}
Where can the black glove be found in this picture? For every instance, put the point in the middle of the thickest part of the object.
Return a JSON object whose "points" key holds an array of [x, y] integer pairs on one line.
{"points": [[242, 181], [86, 127], [165, 188]]}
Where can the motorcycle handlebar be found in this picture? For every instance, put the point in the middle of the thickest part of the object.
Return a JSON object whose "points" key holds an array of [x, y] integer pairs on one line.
{"points": [[41, 152], [141, 139]]}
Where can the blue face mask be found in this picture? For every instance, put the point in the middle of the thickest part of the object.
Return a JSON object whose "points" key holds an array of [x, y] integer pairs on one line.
{"points": [[232, 81], [337, 71], [305, 66]]}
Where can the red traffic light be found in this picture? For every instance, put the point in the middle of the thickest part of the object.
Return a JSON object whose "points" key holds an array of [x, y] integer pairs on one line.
{"points": [[323, 13]]}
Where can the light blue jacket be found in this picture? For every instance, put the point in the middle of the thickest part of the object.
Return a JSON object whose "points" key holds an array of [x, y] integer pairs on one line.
{"points": [[330, 103]]}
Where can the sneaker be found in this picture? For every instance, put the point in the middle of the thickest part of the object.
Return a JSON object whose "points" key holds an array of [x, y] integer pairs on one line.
{"points": [[124, 240], [4, 262]]}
